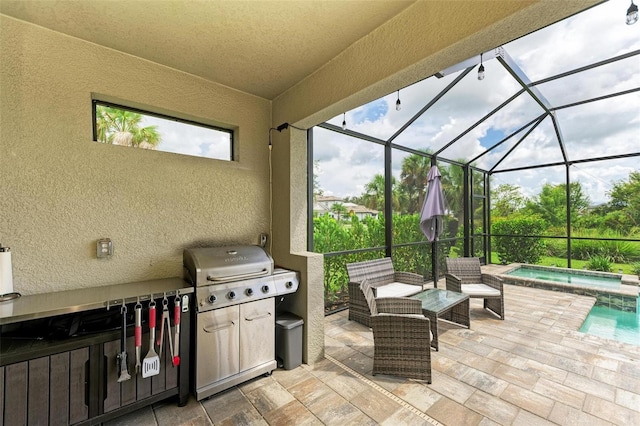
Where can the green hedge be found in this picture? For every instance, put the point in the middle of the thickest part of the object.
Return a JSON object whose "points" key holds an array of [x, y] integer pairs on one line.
{"points": [[518, 248], [331, 235]]}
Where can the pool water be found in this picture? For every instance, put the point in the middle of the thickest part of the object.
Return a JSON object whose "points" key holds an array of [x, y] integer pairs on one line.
{"points": [[566, 277], [613, 324]]}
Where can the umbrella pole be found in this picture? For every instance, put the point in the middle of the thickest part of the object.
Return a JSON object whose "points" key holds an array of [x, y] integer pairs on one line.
{"points": [[434, 262]]}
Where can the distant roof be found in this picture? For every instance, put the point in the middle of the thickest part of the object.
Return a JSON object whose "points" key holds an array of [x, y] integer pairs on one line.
{"points": [[359, 209], [328, 198]]}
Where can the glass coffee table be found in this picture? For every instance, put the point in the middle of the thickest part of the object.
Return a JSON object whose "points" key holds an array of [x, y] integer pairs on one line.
{"points": [[443, 304]]}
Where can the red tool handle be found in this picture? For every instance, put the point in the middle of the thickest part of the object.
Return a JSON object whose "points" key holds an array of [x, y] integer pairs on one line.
{"points": [[138, 327], [152, 316], [176, 314], [176, 323]]}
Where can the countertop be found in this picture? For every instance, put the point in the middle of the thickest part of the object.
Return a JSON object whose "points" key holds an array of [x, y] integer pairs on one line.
{"points": [[64, 302]]}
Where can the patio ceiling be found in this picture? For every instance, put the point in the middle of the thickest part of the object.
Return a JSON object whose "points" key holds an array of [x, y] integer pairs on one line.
{"points": [[260, 47]]}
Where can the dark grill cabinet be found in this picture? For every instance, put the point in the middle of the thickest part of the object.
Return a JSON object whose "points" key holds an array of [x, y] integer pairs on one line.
{"points": [[58, 380]]}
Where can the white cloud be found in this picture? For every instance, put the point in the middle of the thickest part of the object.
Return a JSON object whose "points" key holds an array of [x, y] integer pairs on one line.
{"points": [[183, 138], [608, 127]]}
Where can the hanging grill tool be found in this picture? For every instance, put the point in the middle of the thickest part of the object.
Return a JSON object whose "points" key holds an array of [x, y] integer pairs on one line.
{"points": [[166, 323], [151, 362], [176, 324], [138, 334], [124, 372]]}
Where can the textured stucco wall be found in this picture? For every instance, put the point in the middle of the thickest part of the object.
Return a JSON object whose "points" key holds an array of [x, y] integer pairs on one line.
{"points": [[290, 237], [60, 192]]}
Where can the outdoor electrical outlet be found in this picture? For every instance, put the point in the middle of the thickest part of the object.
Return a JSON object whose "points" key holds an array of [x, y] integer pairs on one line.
{"points": [[104, 248]]}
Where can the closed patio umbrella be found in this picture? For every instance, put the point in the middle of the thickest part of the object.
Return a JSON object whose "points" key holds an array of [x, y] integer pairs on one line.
{"points": [[433, 206]]}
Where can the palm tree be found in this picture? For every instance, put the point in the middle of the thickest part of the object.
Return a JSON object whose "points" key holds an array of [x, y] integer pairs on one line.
{"points": [[413, 181], [121, 127], [453, 189], [373, 197], [339, 210]]}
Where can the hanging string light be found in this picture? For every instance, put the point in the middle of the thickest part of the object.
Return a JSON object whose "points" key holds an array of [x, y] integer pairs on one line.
{"points": [[398, 103], [344, 121], [481, 69], [632, 14]]}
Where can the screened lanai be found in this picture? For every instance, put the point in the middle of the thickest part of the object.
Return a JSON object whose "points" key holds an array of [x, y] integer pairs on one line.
{"points": [[537, 142]]}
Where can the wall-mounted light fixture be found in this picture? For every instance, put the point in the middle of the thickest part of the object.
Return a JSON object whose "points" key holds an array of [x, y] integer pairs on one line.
{"points": [[632, 14], [481, 69], [398, 103]]}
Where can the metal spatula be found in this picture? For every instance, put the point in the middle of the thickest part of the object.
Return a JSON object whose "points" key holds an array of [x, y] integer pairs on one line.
{"points": [[151, 362]]}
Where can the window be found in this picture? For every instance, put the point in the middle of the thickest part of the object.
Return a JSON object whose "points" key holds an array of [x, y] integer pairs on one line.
{"points": [[120, 125]]}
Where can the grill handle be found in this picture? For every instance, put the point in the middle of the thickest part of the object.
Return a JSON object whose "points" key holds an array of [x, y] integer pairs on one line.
{"points": [[267, 315], [238, 277], [215, 329]]}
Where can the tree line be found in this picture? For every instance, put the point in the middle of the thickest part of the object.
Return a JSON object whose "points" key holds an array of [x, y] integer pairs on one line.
{"points": [[512, 213]]}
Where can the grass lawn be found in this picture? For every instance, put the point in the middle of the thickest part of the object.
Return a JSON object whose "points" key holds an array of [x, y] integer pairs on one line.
{"points": [[575, 264]]}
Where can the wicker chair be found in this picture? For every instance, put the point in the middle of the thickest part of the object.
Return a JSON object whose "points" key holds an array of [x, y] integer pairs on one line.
{"points": [[465, 276], [384, 282], [401, 336]]}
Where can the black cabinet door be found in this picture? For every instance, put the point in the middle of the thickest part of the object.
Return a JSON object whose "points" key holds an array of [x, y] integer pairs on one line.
{"points": [[120, 394], [48, 390]]}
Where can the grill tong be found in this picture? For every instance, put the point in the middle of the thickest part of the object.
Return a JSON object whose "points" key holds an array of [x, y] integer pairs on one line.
{"points": [[165, 323]]}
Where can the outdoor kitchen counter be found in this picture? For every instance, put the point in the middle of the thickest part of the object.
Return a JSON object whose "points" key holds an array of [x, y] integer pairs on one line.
{"points": [[65, 302], [49, 374]]}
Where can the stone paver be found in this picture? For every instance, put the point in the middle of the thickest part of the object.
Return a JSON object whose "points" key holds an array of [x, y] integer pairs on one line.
{"points": [[450, 412], [528, 400], [292, 413], [379, 409]]}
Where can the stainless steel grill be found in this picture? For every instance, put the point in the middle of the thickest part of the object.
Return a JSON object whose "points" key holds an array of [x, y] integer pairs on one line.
{"points": [[235, 290]]}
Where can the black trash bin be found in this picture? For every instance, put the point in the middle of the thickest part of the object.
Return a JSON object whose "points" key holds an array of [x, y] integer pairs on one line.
{"points": [[289, 340]]}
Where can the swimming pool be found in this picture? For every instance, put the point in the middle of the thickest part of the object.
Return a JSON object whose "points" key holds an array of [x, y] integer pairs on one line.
{"points": [[616, 313], [568, 276], [613, 324], [610, 290]]}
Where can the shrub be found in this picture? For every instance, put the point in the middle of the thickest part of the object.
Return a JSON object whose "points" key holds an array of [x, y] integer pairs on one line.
{"points": [[599, 263], [617, 251], [518, 243], [556, 247], [635, 268]]}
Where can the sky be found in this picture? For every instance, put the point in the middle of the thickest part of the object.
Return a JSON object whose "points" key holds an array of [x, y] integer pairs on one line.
{"points": [[603, 128], [183, 138]]}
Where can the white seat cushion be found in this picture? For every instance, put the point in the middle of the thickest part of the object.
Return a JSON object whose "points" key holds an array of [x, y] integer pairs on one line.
{"points": [[417, 316], [410, 316], [397, 290], [480, 290]]}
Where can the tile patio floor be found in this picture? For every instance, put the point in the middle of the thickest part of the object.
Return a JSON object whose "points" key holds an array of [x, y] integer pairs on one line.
{"points": [[533, 368]]}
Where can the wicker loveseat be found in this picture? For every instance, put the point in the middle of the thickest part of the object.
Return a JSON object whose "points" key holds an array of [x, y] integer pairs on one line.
{"points": [[401, 336], [384, 282]]}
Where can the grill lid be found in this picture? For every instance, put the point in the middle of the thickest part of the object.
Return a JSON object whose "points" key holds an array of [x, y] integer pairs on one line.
{"points": [[211, 265]]}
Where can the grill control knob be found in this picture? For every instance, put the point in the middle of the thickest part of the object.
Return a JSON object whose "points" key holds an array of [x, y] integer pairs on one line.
{"points": [[212, 298], [265, 289], [249, 292], [232, 295], [288, 284]]}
